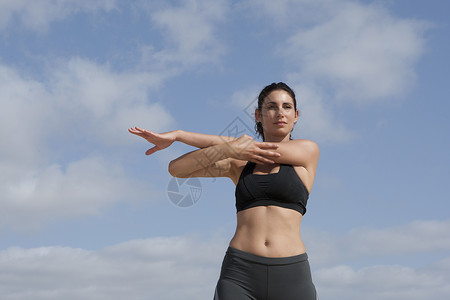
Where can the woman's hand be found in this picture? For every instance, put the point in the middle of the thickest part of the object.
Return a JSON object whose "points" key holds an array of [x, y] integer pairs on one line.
{"points": [[246, 148], [160, 140]]}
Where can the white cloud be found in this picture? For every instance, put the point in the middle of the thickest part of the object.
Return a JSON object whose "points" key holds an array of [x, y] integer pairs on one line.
{"points": [[246, 99], [336, 279], [190, 33], [79, 106], [412, 238], [415, 237], [291, 13], [187, 267], [365, 53], [382, 282], [84, 187], [316, 120], [356, 52], [157, 268], [37, 15], [78, 100], [104, 103], [23, 104]]}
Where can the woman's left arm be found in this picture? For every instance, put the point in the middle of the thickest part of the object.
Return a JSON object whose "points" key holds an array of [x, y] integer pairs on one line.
{"points": [[303, 153]]}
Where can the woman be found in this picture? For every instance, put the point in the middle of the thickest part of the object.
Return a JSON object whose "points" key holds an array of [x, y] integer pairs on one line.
{"points": [[266, 258]]}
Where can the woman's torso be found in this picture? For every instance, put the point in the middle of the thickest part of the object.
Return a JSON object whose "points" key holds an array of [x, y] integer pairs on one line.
{"points": [[270, 231]]}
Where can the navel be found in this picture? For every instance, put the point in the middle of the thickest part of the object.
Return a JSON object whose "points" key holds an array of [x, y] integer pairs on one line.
{"points": [[266, 243]]}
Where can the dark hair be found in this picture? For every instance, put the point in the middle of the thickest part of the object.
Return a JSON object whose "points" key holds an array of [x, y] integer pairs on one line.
{"points": [[264, 93]]}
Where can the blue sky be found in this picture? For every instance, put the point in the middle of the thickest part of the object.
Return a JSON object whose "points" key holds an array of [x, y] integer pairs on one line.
{"points": [[86, 215]]}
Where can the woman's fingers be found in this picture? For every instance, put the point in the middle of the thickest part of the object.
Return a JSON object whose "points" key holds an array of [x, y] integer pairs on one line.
{"points": [[139, 129], [259, 152], [142, 133], [152, 150], [266, 145], [136, 131], [270, 154], [160, 140], [266, 157], [267, 154], [262, 160], [132, 130]]}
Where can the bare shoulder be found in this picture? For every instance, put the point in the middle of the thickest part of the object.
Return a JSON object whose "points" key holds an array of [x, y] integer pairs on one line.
{"points": [[305, 145], [301, 146], [299, 152]]}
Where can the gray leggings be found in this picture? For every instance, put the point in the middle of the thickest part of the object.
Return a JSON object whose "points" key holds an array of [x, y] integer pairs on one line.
{"points": [[248, 276]]}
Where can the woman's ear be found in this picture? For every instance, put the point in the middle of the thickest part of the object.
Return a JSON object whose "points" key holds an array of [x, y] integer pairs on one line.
{"points": [[258, 117], [296, 116]]}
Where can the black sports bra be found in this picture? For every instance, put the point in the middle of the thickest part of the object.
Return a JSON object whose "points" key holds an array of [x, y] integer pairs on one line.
{"points": [[283, 189]]}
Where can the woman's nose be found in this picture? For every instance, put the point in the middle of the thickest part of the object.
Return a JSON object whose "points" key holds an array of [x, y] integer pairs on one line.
{"points": [[280, 112]]}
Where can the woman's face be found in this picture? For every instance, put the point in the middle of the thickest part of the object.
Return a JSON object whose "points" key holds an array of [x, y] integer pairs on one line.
{"points": [[277, 116]]}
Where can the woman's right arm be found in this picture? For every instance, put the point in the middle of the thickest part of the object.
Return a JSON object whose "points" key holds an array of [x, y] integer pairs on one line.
{"points": [[217, 154], [216, 161], [164, 140], [201, 140]]}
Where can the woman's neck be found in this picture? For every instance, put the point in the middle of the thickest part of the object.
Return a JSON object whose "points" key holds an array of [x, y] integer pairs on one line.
{"points": [[276, 139]]}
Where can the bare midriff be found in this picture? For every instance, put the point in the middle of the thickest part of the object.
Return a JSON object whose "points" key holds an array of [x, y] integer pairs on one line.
{"points": [[269, 231]]}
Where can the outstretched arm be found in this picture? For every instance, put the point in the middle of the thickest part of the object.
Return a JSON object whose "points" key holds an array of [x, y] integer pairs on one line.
{"points": [[216, 156], [215, 161], [164, 140], [201, 140]]}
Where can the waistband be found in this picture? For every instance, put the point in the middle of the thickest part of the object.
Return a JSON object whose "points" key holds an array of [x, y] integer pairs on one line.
{"points": [[267, 260]]}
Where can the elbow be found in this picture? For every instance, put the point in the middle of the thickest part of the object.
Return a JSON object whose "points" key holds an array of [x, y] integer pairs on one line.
{"points": [[172, 169], [176, 171]]}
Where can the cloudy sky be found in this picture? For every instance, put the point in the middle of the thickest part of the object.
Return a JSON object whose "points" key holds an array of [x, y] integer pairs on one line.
{"points": [[84, 214]]}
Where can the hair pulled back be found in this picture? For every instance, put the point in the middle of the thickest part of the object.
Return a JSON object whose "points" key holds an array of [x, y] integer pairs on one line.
{"points": [[262, 96]]}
